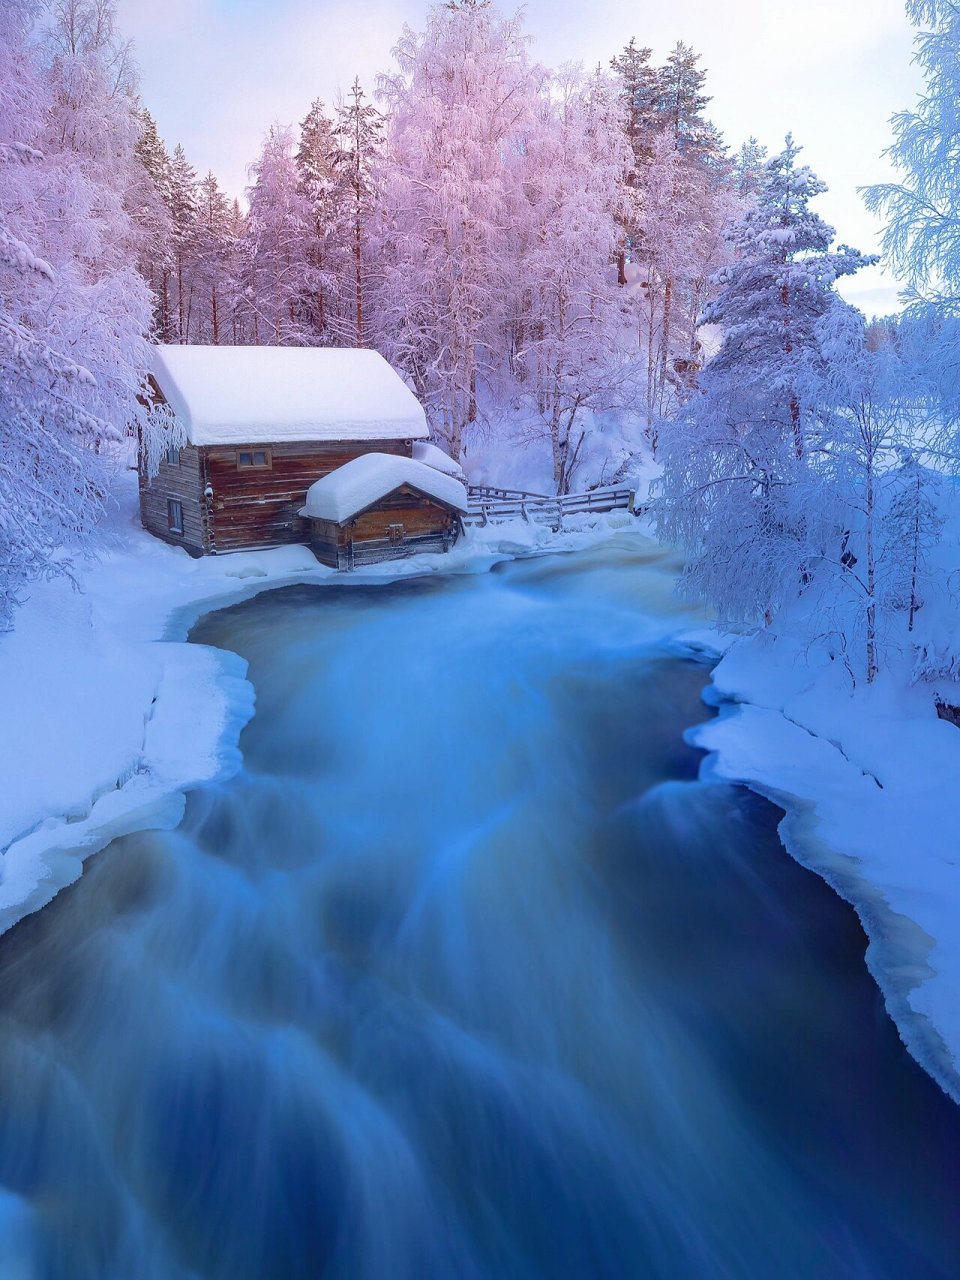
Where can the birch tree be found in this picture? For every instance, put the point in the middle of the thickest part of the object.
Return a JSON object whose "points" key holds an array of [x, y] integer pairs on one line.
{"points": [[458, 105], [570, 349]]}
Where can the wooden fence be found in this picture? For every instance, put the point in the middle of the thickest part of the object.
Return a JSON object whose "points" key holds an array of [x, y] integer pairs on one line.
{"points": [[489, 503]]}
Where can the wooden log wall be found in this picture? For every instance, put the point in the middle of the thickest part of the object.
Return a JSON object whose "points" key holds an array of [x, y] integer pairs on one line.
{"points": [[183, 482], [401, 524], [257, 506]]}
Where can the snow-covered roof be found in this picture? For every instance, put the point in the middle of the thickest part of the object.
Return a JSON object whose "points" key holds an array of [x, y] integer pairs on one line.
{"points": [[431, 456], [362, 481], [264, 395]]}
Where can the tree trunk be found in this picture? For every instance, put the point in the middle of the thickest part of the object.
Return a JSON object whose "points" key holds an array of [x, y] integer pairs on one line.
{"points": [[871, 582]]}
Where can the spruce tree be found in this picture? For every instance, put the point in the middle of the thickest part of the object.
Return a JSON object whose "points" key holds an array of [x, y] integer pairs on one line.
{"points": [[324, 187], [738, 485], [359, 135], [183, 215]]}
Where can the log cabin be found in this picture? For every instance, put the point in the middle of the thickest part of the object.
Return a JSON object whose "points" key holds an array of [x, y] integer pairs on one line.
{"points": [[261, 425], [381, 507]]}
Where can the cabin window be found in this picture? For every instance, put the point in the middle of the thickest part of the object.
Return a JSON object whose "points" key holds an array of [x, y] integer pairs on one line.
{"points": [[173, 455], [174, 515], [253, 458]]}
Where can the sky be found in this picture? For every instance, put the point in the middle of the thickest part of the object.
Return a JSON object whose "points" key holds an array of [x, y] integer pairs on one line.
{"points": [[217, 73]]}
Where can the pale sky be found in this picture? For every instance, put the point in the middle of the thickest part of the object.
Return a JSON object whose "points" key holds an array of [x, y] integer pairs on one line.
{"points": [[217, 73]]}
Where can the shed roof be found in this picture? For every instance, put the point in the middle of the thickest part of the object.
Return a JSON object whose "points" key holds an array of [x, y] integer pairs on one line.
{"points": [[429, 454], [264, 395], [362, 481]]}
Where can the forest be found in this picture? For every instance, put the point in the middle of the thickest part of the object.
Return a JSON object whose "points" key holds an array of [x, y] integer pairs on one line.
{"points": [[564, 258]]}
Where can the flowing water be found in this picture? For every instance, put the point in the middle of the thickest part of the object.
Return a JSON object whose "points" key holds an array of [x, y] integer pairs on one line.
{"points": [[464, 975]]}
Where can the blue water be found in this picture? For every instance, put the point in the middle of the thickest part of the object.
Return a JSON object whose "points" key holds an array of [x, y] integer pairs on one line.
{"points": [[464, 975]]}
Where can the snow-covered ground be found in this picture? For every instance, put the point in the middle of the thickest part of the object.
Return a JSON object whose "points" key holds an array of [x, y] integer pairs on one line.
{"points": [[108, 715], [869, 779]]}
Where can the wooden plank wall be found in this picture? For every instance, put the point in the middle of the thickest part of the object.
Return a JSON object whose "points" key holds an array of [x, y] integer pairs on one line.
{"points": [[184, 482], [257, 507], [427, 526]]}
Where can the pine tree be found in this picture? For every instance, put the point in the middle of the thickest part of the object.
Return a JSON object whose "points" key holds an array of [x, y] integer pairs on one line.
{"points": [[737, 486], [183, 216], [214, 254], [359, 138], [276, 248], [639, 95], [748, 167], [323, 185], [779, 286], [680, 105], [150, 201]]}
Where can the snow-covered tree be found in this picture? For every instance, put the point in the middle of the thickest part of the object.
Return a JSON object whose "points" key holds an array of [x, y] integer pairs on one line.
{"points": [[215, 264], [277, 242], [149, 201], [359, 138], [329, 257], [736, 489], [922, 237], [680, 105], [458, 104], [183, 215], [72, 314], [570, 329], [879, 520]]}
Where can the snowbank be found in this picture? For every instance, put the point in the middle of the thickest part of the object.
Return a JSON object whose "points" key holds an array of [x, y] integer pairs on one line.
{"points": [[264, 395], [108, 716], [869, 780], [362, 481]]}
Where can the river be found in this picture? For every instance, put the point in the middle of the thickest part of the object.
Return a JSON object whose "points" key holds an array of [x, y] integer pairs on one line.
{"points": [[464, 975]]}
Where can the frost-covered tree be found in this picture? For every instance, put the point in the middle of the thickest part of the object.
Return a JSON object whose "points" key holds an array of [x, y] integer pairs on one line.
{"points": [[780, 285], [72, 315], [149, 202], [183, 215], [737, 484], [215, 264], [922, 237], [878, 519], [458, 105], [322, 185], [359, 138], [276, 247], [680, 105], [569, 354]]}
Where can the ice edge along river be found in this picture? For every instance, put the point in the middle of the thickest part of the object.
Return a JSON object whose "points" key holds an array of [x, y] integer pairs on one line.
{"points": [[201, 701]]}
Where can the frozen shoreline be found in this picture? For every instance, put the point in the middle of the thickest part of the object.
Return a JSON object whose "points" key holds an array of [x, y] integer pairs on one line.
{"points": [[865, 782], [110, 716]]}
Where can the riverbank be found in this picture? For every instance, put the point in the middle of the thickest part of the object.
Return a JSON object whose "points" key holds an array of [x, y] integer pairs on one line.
{"points": [[869, 780], [109, 716]]}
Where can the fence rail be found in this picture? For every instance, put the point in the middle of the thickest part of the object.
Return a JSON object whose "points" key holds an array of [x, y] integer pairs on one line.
{"points": [[489, 502]]}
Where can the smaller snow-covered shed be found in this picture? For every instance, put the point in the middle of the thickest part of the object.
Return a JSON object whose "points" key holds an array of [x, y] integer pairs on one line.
{"points": [[261, 424], [380, 507]]}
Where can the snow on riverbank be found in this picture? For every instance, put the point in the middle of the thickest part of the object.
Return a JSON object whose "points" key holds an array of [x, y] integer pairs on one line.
{"points": [[870, 780], [108, 716]]}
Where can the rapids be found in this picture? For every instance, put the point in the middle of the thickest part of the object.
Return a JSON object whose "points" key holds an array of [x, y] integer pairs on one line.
{"points": [[465, 975]]}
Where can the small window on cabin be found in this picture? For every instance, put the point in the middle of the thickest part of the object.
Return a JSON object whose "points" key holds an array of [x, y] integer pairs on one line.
{"points": [[174, 515], [173, 455], [253, 458]]}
